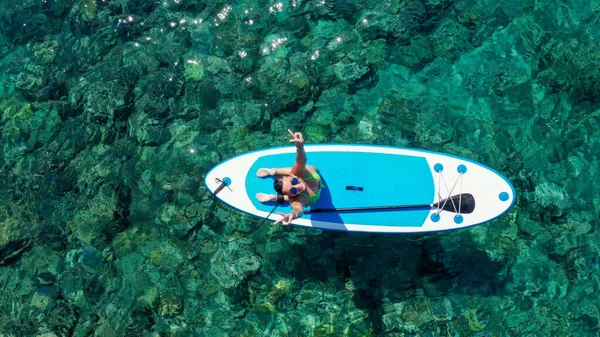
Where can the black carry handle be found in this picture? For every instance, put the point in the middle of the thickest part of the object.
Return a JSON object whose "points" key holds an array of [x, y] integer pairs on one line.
{"points": [[354, 188], [466, 200]]}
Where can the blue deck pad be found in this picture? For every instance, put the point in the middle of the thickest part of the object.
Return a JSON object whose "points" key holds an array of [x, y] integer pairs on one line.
{"points": [[386, 179]]}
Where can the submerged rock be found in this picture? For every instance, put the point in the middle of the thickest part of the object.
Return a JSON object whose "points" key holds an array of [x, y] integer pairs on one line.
{"points": [[233, 263], [548, 194], [42, 298], [171, 305], [13, 250], [88, 257]]}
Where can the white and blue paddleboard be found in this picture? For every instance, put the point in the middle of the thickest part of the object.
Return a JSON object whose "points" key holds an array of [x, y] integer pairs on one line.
{"points": [[372, 188]]}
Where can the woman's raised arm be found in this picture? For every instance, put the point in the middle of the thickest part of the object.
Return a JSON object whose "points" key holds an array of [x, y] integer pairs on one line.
{"points": [[300, 164]]}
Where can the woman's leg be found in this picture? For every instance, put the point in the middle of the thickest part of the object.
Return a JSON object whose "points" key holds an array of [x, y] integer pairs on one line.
{"points": [[263, 197]]}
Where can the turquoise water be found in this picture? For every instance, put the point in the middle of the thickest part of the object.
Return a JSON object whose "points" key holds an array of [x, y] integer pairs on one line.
{"points": [[113, 110]]}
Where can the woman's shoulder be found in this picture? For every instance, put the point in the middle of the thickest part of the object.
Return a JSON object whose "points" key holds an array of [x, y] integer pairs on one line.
{"points": [[309, 170]]}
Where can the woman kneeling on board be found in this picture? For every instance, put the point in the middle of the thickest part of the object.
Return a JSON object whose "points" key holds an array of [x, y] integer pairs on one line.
{"points": [[300, 184]]}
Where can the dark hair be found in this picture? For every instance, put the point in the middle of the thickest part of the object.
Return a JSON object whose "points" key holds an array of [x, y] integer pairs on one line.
{"points": [[278, 184]]}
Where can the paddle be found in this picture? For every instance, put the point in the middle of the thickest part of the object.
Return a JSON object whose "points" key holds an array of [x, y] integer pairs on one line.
{"points": [[467, 205]]}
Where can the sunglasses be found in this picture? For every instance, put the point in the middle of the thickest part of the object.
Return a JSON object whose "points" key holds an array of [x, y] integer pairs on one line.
{"points": [[293, 190]]}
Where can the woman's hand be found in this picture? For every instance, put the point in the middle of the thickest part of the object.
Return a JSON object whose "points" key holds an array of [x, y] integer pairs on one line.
{"points": [[286, 219], [297, 139], [265, 172]]}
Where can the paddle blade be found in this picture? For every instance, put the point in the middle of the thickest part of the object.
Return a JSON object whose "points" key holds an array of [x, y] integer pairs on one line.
{"points": [[466, 201]]}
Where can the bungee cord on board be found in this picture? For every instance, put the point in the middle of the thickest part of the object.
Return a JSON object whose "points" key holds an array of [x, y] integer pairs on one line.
{"points": [[449, 191]]}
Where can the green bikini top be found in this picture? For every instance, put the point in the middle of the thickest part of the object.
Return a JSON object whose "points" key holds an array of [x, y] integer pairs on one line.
{"points": [[315, 197]]}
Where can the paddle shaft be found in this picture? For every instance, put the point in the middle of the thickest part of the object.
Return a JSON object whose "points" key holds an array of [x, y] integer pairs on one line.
{"points": [[373, 208], [465, 202]]}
